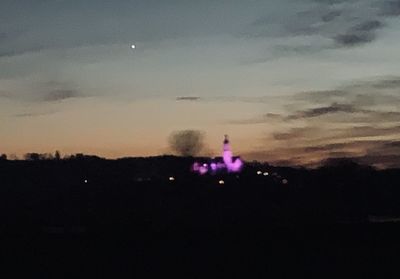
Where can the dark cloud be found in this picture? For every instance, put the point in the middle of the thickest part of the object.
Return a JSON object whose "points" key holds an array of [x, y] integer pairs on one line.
{"points": [[51, 91], [363, 106], [390, 8], [334, 108], [350, 40], [272, 116], [360, 34], [188, 98], [32, 114], [358, 121], [344, 23], [320, 111], [369, 26], [61, 94], [330, 16]]}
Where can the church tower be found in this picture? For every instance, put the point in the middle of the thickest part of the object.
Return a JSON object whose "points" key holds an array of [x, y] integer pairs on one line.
{"points": [[227, 153]]}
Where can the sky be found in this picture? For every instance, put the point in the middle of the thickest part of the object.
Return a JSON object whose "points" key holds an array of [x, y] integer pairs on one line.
{"points": [[293, 82]]}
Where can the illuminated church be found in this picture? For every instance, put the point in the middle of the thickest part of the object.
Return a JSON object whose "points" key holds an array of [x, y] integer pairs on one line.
{"points": [[227, 163]]}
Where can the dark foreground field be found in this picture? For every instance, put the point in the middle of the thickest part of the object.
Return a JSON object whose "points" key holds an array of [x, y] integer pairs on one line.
{"points": [[368, 251], [96, 218]]}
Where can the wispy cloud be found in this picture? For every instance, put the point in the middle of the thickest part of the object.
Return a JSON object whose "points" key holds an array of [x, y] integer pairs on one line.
{"points": [[319, 111], [33, 114], [188, 98], [336, 24], [390, 8], [368, 92], [40, 92], [359, 34], [336, 123], [266, 118], [296, 133], [61, 94]]}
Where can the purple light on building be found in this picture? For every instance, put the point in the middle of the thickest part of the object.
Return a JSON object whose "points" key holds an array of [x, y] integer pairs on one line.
{"points": [[231, 164], [196, 167], [203, 170], [227, 163]]}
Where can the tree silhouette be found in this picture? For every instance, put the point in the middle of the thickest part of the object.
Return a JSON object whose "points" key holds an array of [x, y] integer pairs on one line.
{"points": [[187, 142], [32, 156], [3, 157], [38, 156], [57, 155]]}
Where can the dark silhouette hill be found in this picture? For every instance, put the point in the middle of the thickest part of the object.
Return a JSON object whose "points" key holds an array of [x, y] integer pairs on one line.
{"points": [[78, 191], [133, 213]]}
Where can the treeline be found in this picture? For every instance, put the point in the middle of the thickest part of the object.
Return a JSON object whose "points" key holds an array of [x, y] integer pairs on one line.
{"points": [[34, 156]]}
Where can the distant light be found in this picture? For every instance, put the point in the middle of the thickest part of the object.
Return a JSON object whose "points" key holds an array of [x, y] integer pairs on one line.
{"points": [[86, 181], [203, 170], [259, 172], [221, 182], [205, 165], [266, 173], [172, 178], [285, 181], [133, 46]]}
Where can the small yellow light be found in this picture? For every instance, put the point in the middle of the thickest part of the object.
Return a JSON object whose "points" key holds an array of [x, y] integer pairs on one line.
{"points": [[221, 182]]}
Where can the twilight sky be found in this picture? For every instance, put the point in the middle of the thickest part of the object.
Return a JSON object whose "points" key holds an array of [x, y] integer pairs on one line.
{"points": [[291, 81]]}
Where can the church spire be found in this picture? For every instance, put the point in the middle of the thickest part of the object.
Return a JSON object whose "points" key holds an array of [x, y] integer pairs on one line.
{"points": [[226, 141]]}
